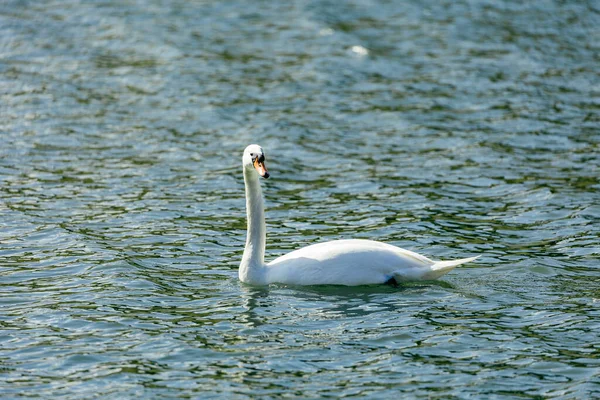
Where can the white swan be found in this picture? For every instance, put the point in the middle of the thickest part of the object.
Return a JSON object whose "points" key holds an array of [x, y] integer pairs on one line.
{"points": [[339, 262]]}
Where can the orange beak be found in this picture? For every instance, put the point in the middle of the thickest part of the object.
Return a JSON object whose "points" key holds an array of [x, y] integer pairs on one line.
{"points": [[261, 168]]}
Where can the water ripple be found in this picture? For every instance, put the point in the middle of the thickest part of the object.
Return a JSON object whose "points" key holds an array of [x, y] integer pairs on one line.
{"points": [[447, 128]]}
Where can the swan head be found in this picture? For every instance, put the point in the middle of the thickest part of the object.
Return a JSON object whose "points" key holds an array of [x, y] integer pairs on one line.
{"points": [[254, 157]]}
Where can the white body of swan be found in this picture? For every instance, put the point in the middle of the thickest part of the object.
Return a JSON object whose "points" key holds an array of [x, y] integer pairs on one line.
{"points": [[339, 262]]}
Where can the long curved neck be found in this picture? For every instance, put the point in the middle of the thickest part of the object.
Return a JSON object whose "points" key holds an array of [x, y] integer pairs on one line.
{"points": [[253, 260]]}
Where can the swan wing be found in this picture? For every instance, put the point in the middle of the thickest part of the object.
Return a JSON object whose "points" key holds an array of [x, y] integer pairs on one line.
{"points": [[347, 262]]}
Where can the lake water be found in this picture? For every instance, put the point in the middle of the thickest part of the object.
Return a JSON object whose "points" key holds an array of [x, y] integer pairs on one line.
{"points": [[451, 128]]}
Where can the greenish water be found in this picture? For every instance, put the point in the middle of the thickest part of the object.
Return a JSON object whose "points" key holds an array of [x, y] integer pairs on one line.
{"points": [[447, 128]]}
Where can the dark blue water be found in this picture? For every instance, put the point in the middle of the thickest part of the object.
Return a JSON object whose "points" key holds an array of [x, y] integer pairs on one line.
{"points": [[447, 128]]}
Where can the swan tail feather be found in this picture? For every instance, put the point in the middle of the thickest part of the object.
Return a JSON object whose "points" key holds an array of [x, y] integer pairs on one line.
{"points": [[440, 268], [449, 265], [430, 272]]}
